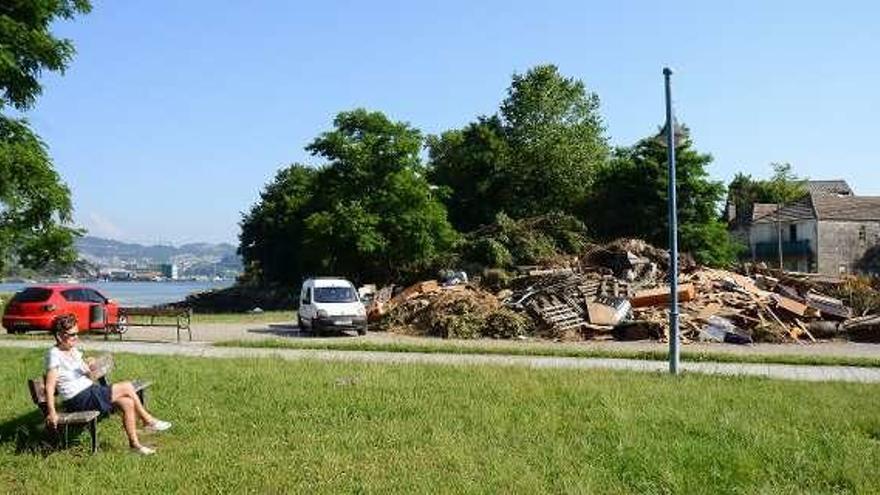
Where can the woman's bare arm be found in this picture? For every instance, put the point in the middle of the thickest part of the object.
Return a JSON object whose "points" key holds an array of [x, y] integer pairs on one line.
{"points": [[51, 382]]}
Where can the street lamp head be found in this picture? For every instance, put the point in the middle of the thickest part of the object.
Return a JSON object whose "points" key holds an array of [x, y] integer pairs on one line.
{"points": [[667, 71]]}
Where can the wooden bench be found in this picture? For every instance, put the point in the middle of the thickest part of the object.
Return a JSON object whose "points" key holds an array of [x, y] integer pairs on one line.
{"points": [[146, 317], [37, 388]]}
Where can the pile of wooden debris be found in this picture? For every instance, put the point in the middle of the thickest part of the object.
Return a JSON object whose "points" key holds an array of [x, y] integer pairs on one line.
{"points": [[618, 291]]}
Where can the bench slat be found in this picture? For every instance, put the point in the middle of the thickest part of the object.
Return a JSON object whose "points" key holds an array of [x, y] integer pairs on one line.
{"points": [[136, 311], [140, 385], [38, 390], [77, 417]]}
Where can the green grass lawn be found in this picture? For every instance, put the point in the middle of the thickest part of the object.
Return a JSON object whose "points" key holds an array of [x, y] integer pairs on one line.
{"points": [[263, 317], [200, 318], [269, 426], [438, 346]]}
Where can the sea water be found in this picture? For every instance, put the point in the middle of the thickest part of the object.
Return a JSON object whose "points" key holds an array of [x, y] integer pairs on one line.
{"points": [[140, 293]]}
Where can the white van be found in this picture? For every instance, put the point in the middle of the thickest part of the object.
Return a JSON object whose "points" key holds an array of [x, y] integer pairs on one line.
{"points": [[331, 303]]}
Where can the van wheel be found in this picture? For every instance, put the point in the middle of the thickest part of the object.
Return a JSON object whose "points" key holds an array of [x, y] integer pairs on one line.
{"points": [[362, 330]]}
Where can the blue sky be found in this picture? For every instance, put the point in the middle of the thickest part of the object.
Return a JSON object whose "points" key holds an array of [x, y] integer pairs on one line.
{"points": [[174, 115]]}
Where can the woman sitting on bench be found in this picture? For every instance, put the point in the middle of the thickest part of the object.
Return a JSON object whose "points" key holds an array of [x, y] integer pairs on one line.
{"points": [[66, 371]]}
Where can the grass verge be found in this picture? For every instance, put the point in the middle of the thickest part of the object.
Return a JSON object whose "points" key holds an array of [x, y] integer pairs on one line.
{"points": [[474, 347], [269, 426], [263, 317]]}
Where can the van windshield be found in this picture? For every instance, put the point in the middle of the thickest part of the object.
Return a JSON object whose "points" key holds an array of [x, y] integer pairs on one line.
{"points": [[335, 295]]}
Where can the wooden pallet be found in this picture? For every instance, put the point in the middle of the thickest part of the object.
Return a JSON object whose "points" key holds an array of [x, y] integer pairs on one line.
{"points": [[560, 316]]}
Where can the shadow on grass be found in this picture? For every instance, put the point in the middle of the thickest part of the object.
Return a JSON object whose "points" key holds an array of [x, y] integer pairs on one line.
{"points": [[30, 436], [294, 332]]}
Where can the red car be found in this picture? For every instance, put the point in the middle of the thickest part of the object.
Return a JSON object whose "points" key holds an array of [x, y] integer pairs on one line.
{"points": [[37, 308]]}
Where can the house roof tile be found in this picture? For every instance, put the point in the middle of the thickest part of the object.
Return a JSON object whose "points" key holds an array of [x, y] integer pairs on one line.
{"points": [[836, 186], [801, 209], [851, 208]]}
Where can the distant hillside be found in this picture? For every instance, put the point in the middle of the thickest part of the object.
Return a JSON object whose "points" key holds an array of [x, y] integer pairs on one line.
{"points": [[110, 253]]}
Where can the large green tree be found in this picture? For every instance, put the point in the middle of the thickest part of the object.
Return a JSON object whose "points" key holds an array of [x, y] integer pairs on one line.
{"points": [[783, 186], [630, 196], [35, 206], [368, 212], [538, 154], [271, 232]]}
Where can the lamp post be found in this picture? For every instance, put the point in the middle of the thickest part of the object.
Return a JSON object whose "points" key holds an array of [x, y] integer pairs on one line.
{"points": [[673, 230]]}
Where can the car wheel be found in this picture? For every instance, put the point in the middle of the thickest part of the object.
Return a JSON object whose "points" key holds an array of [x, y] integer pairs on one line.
{"points": [[362, 330], [122, 324]]}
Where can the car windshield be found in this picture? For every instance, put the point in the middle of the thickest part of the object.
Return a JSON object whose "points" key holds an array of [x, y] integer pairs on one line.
{"points": [[335, 295], [32, 294]]}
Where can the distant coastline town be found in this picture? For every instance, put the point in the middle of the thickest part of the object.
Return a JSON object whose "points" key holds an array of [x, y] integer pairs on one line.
{"points": [[116, 261]]}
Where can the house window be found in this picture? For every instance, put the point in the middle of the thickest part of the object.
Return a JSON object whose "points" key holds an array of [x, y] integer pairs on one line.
{"points": [[792, 233], [863, 236]]}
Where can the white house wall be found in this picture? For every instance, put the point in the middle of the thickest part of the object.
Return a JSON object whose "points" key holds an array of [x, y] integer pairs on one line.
{"points": [[766, 232]]}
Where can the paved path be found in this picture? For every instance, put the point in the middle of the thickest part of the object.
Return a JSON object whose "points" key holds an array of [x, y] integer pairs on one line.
{"points": [[214, 332], [201, 349]]}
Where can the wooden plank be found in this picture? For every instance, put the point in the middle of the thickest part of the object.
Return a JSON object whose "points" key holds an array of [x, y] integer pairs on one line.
{"points": [[708, 311], [828, 305], [804, 328], [790, 305], [144, 311], [785, 327], [38, 390], [656, 297], [746, 283], [78, 417]]}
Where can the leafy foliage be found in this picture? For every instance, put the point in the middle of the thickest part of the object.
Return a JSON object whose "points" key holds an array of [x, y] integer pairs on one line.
{"points": [[507, 242], [472, 165], [35, 206], [27, 47], [782, 187], [537, 155], [630, 200], [269, 242], [870, 261], [368, 213]]}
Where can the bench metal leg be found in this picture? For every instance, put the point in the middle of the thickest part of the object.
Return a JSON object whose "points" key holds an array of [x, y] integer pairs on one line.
{"points": [[93, 432]]}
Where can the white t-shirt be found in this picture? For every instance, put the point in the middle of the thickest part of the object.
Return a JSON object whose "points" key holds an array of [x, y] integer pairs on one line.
{"points": [[73, 374]]}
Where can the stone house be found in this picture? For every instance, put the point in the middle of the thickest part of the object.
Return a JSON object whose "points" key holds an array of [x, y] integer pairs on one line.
{"points": [[827, 231]]}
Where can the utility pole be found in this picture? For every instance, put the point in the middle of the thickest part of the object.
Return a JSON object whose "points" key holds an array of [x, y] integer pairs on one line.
{"points": [[779, 233], [673, 230]]}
